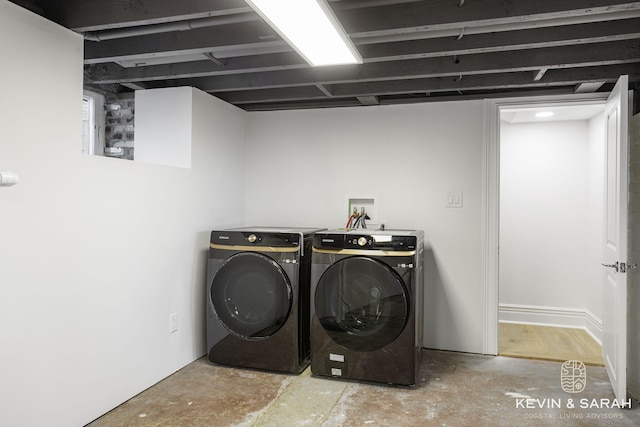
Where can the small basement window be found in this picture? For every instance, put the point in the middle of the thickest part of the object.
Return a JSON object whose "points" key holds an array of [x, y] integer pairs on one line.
{"points": [[108, 125], [92, 123], [163, 125]]}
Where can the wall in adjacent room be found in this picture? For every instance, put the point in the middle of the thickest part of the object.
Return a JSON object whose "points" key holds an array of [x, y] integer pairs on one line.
{"points": [[303, 165], [97, 252], [551, 207], [595, 213]]}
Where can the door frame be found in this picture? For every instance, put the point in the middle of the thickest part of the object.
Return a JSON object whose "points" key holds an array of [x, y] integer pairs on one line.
{"points": [[491, 201]]}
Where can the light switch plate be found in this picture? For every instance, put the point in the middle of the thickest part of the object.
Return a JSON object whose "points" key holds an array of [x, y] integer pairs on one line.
{"points": [[454, 199]]}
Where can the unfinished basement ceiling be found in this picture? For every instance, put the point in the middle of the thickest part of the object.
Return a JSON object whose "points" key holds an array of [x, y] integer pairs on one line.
{"points": [[414, 51]]}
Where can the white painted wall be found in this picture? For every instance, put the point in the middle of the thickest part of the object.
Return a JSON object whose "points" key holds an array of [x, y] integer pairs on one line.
{"points": [[301, 166], [96, 252], [163, 129], [551, 219]]}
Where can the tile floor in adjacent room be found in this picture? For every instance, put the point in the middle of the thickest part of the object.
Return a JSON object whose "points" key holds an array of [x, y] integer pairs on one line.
{"points": [[454, 389]]}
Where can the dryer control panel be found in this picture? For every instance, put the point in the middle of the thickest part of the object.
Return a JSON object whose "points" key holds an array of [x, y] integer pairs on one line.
{"points": [[255, 238], [264, 239]]}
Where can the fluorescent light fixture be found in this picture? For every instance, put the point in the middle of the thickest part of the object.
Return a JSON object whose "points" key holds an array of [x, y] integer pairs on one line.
{"points": [[311, 28], [544, 114]]}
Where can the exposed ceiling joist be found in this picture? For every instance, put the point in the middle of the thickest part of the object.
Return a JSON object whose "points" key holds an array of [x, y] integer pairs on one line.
{"points": [[96, 15], [200, 40], [413, 51], [424, 48], [435, 85], [112, 73], [418, 98], [121, 33], [495, 62], [430, 16]]}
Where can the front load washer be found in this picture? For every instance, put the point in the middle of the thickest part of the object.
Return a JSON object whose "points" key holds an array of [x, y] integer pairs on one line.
{"points": [[258, 298], [366, 302]]}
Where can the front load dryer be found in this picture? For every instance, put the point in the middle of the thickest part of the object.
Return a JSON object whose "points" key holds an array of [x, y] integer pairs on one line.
{"points": [[366, 302], [258, 298]]}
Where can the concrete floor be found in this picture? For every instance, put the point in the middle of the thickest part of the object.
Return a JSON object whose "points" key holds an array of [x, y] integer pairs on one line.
{"points": [[455, 389]]}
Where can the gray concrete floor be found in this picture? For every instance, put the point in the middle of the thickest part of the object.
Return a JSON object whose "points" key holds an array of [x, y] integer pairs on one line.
{"points": [[455, 389]]}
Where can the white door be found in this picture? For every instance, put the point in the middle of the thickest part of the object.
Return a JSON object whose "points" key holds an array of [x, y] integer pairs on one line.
{"points": [[614, 323]]}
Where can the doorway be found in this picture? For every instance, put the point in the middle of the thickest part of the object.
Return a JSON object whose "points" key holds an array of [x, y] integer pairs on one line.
{"points": [[551, 181]]}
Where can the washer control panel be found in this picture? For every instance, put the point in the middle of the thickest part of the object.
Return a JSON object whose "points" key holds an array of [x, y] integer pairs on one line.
{"points": [[373, 241], [360, 242]]}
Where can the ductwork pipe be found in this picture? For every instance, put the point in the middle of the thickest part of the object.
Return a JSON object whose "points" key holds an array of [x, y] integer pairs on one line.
{"points": [[97, 36]]}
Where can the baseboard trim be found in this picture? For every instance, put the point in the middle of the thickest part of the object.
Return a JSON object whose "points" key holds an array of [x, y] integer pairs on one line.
{"points": [[552, 316]]}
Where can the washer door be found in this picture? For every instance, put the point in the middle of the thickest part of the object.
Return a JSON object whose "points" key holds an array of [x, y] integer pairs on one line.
{"points": [[362, 303], [251, 295]]}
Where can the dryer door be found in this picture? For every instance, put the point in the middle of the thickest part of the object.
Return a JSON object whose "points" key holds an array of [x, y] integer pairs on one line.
{"points": [[362, 303], [251, 295]]}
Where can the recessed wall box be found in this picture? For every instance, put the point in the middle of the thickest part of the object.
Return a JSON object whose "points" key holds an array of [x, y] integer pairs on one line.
{"points": [[368, 203]]}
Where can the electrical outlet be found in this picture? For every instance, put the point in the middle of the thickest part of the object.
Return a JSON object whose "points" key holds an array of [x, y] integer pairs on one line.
{"points": [[173, 321]]}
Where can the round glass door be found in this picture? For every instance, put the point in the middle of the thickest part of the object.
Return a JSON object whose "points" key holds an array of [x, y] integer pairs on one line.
{"points": [[361, 303], [251, 295]]}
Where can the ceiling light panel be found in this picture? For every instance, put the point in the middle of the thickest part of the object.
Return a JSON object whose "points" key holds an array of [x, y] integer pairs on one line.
{"points": [[311, 28]]}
